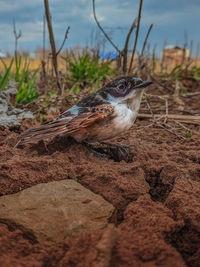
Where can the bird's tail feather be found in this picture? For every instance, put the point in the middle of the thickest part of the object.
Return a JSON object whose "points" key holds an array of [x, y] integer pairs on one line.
{"points": [[51, 129]]}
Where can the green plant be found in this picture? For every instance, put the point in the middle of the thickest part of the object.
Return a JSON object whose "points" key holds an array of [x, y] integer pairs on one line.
{"points": [[188, 134], [85, 69], [179, 72], [18, 67], [195, 73], [176, 72], [4, 78], [27, 91], [41, 120]]}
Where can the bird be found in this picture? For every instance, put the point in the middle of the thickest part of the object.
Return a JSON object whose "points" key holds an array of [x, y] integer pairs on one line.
{"points": [[100, 116]]}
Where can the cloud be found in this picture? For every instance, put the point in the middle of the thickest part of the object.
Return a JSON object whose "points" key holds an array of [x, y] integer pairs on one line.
{"points": [[170, 19], [184, 15]]}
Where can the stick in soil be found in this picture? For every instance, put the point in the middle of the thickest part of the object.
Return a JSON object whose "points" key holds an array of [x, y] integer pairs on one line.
{"points": [[163, 125], [136, 36]]}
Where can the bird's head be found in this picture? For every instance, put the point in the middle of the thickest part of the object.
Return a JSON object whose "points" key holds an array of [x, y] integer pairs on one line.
{"points": [[126, 87]]}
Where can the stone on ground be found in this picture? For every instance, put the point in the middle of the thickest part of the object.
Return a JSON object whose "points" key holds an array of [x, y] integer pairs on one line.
{"points": [[10, 116], [56, 210]]}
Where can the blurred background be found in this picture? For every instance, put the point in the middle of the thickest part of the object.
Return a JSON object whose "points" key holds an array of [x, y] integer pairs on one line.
{"points": [[65, 49]]}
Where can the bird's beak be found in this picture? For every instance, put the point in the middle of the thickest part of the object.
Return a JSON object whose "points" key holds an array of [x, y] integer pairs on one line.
{"points": [[142, 84]]}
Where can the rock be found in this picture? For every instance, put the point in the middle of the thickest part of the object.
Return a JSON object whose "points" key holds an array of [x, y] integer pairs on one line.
{"points": [[3, 105], [7, 93], [9, 121], [25, 115], [14, 111], [11, 116], [55, 210]]}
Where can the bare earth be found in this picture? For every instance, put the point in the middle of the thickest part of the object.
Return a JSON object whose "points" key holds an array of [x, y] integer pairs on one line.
{"points": [[156, 195]]}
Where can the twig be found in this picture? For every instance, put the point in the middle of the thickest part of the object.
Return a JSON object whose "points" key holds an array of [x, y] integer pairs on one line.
{"points": [[43, 61], [183, 126], [147, 126], [163, 57], [185, 47], [153, 58], [44, 37], [176, 95], [149, 107], [191, 51], [143, 127], [17, 36], [197, 54], [52, 41], [125, 50], [146, 38], [190, 112], [155, 96], [159, 83], [141, 61], [166, 110], [182, 118], [165, 99], [105, 34], [136, 37], [190, 94], [164, 125], [65, 38]]}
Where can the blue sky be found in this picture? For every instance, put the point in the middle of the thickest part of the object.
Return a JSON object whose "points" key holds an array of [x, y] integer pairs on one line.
{"points": [[171, 18]]}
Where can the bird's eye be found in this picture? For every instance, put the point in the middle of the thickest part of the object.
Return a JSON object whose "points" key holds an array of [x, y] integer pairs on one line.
{"points": [[121, 86]]}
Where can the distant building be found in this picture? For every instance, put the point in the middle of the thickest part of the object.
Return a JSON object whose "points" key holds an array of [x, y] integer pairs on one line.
{"points": [[175, 54]]}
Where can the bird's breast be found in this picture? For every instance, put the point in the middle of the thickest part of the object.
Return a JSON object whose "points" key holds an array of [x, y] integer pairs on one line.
{"points": [[124, 117]]}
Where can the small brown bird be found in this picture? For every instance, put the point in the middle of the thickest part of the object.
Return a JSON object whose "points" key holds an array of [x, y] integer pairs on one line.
{"points": [[100, 116]]}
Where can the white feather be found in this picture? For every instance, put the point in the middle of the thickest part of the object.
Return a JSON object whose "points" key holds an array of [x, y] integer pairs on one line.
{"points": [[125, 116], [126, 110]]}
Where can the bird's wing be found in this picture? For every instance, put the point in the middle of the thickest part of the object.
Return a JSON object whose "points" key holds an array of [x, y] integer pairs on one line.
{"points": [[67, 123], [88, 116]]}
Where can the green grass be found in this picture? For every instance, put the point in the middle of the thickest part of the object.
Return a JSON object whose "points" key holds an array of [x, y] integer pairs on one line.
{"points": [[5, 77], [195, 73], [27, 90], [85, 69]]}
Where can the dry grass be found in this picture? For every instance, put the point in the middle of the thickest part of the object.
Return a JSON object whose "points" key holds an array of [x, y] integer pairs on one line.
{"points": [[36, 63], [168, 65]]}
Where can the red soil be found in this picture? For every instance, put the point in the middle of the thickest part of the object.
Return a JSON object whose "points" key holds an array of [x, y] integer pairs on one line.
{"points": [[156, 195]]}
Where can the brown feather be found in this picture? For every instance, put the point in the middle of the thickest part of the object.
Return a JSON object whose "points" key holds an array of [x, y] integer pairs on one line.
{"points": [[66, 125]]}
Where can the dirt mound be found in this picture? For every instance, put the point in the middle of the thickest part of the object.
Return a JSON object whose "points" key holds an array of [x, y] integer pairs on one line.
{"points": [[156, 196]]}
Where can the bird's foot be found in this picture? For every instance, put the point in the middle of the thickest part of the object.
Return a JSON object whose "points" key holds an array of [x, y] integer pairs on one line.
{"points": [[96, 151], [111, 151], [118, 152]]}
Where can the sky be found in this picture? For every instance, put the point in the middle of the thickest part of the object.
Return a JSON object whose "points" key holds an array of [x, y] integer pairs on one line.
{"points": [[172, 19]]}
